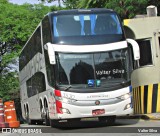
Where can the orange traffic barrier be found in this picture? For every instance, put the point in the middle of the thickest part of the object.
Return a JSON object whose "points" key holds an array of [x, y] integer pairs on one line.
{"points": [[10, 114], [3, 124]]}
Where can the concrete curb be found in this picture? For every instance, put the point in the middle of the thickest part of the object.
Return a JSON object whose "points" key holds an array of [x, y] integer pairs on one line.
{"points": [[153, 116]]}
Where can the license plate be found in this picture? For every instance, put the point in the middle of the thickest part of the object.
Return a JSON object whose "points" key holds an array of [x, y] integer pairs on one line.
{"points": [[98, 112]]}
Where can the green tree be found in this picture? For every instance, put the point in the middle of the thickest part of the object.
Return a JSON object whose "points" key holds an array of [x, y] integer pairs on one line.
{"points": [[17, 22], [71, 4], [16, 25], [59, 1], [129, 8], [125, 8]]}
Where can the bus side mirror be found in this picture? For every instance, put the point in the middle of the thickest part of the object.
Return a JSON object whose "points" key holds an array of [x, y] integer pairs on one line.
{"points": [[51, 53], [135, 47]]}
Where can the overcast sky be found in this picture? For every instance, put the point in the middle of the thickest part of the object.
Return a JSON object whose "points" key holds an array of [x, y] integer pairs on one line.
{"points": [[20, 2]]}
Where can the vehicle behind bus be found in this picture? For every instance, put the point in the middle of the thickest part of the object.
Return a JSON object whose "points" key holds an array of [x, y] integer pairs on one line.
{"points": [[76, 66]]}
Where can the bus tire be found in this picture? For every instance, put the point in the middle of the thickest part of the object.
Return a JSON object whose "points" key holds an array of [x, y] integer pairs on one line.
{"points": [[109, 120], [28, 120], [47, 120], [39, 122]]}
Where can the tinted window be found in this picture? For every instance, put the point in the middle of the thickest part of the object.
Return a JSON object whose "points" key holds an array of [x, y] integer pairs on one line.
{"points": [[145, 52], [98, 28], [109, 68], [47, 38], [46, 30], [31, 49], [36, 84]]}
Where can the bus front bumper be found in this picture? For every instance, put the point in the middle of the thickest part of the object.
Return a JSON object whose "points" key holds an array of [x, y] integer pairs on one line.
{"points": [[119, 109]]}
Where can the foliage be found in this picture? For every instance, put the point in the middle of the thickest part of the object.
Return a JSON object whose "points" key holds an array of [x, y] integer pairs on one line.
{"points": [[9, 90], [59, 1], [128, 8], [16, 25], [71, 4], [17, 22], [55, 8], [125, 8], [9, 85]]}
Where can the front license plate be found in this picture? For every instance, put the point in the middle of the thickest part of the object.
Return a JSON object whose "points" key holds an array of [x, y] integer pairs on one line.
{"points": [[98, 112]]}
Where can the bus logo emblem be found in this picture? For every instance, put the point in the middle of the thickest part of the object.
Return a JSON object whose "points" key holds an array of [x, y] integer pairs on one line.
{"points": [[97, 102]]}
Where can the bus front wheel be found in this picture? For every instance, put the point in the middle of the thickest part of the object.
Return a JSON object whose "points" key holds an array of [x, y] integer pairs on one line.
{"points": [[28, 120]]}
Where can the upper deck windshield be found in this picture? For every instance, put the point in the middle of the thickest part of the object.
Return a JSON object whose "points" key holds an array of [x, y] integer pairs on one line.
{"points": [[86, 29], [105, 69]]}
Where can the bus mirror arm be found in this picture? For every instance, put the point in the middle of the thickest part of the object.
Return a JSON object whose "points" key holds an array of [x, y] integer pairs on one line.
{"points": [[51, 53], [135, 47]]}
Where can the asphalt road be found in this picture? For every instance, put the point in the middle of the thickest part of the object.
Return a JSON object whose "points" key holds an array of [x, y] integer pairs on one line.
{"points": [[122, 127]]}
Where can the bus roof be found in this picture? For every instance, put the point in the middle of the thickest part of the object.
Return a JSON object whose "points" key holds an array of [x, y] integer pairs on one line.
{"points": [[77, 11]]}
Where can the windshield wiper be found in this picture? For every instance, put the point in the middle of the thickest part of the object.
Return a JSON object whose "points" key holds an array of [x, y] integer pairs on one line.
{"points": [[123, 83], [67, 87]]}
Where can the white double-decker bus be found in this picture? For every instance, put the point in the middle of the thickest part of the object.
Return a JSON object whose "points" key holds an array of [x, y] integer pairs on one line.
{"points": [[77, 64]]}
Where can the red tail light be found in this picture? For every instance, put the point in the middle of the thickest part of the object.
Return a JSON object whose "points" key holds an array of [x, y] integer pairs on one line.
{"points": [[59, 106], [57, 93], [58, 102]]}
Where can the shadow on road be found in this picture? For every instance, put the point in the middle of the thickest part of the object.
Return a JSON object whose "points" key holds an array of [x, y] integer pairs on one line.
{"points": [[121, 126], [97, 124]]}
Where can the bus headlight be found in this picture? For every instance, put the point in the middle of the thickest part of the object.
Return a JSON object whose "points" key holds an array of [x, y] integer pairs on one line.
{"points": [[129, 105], [65, 111], [125, 96]]}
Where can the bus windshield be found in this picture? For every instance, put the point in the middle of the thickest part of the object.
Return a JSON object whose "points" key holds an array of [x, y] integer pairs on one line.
{"points": [[86, 29], [105, 69]]}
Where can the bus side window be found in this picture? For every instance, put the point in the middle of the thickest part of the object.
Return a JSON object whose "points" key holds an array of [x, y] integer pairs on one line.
{"points": [[46, 30], [36, 84], [37, 41]]}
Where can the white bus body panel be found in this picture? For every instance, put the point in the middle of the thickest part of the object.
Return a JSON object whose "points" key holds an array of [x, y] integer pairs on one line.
{"points": [[89, 48], [86, 102], [76, 111]]}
